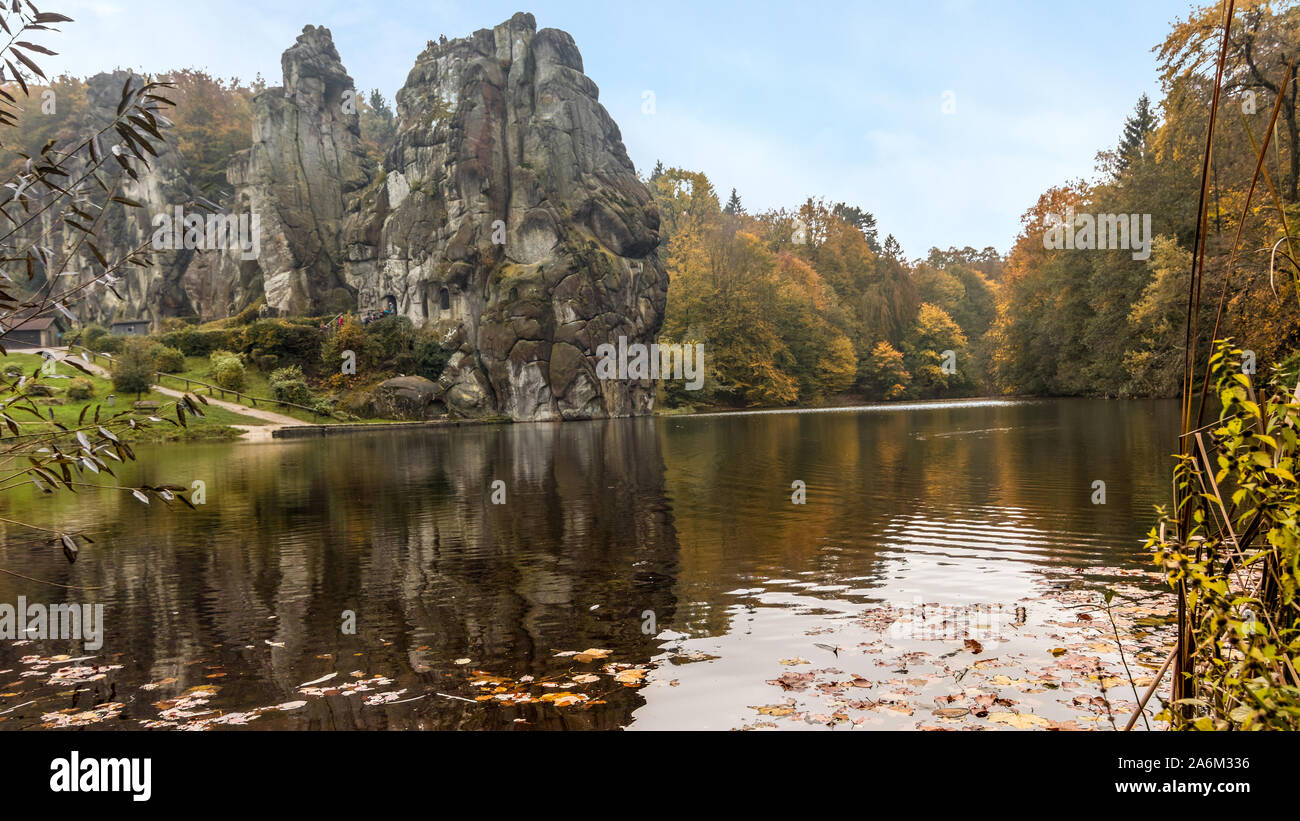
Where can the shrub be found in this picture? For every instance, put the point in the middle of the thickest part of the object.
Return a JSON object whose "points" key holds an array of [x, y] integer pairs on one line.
{"points": [[1238, 588], [388, 345], [247, 315], [349, 336], [429, 357], [133, 369], [288, 385], [291, 343], [227, 370], [177, 323], [392, 336], [108, 344], [168, 360], [80, 389], [192, 341], [94, 336], [91, 335]]}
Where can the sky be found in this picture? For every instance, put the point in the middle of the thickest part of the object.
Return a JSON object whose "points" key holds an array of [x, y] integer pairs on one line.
{"points": [[946, 119]]}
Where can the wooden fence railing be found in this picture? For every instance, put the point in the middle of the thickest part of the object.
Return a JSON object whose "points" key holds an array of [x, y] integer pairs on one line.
{"points": [[213, 390]]}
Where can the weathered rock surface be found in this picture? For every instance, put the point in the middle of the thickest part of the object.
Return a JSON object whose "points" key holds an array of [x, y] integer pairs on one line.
{"points": [[510, 218], [407, 397], [304, 166], [151, 293]]}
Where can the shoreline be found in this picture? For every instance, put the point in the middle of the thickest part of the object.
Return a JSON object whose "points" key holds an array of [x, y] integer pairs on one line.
{"points": [[303, 430]]}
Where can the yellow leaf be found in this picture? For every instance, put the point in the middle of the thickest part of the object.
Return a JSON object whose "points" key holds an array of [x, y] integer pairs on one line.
{"points": [[1020, 721], [630, 678], [775, 710], [564, 699]]}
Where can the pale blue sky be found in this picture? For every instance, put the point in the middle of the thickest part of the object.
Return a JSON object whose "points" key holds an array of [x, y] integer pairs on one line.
{"points": [[780, 100]]}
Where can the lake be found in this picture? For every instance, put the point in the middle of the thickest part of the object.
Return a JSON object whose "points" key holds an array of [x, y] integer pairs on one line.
{"points": [[639, 573]]}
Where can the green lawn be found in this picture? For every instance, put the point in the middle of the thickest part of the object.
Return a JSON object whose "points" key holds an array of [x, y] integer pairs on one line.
{"points": [[256, 384], [214, 424]]}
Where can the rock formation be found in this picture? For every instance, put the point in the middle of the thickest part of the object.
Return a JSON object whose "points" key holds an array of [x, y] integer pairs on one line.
{"points": [[405, 397], [303, 168], [510, 218], [507, 217], [139, 293]]}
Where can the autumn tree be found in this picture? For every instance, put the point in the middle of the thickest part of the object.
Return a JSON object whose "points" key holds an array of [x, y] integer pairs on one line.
{"points": [[886, 377], [212, 121], [935, 354], [1263, 52]]}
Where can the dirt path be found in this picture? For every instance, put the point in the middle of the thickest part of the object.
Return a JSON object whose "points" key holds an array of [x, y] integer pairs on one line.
{"points": [[251, 432]]}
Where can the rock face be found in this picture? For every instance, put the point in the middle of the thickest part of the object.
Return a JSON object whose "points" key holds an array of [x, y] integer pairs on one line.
{"points": [[138, 293], [304, 166], [510, 218]]}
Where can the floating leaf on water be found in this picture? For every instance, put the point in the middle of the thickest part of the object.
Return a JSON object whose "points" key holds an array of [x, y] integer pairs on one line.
{"points": [[630, 678], [1020, 721], [564, 699]]}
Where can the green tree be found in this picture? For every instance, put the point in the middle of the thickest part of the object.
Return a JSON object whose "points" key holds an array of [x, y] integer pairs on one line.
{"points": [[227, 370], [378, 125], [733, 207], [69, 180], [133, 367], [1138, 129], [1158, 319], [864, 221]]}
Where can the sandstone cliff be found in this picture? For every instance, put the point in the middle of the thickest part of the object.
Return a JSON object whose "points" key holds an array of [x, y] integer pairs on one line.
{"points": [[150, 293], [303, 167], [510, 217], [506, 215]]}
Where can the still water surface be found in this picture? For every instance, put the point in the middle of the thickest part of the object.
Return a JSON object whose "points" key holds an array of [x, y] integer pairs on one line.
{"points": [[672, 543]]}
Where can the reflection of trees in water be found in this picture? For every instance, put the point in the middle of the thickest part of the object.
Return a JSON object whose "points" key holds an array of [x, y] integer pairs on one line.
{"points": [[729, 481], [399, 529]]}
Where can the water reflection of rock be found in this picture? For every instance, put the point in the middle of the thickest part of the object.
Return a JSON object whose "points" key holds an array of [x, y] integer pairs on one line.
{"points": [[954, 505], [401, 530]]}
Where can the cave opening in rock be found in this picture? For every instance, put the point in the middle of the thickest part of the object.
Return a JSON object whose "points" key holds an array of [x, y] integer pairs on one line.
{"points": [[390, 304], [444, 299]]}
